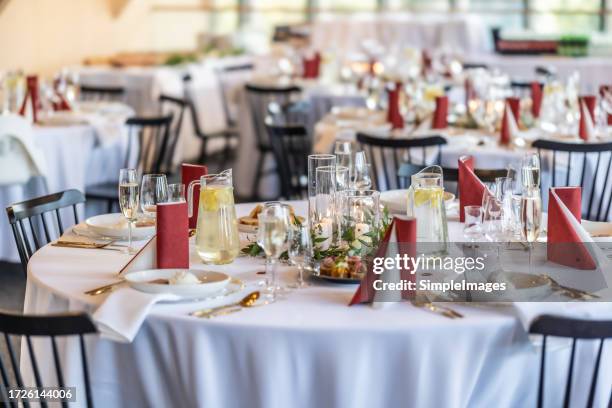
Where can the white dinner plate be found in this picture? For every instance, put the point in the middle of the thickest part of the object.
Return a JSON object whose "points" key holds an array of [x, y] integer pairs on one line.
{"points": [[397, 200], [115, 226], [211, 283]]}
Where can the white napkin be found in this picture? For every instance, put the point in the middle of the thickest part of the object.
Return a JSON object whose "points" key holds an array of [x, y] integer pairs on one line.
{"points": [[120, 316]]}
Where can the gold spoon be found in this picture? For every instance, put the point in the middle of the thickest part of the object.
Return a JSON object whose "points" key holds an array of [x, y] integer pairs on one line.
{"points": [[247, 301], [103, 289]]}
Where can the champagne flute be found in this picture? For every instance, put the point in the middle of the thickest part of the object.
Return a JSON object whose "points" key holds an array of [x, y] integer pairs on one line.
{"points": [[272, 236], [531, 215], [530, 171], [300, 252], [153, 190], [128, 200]]}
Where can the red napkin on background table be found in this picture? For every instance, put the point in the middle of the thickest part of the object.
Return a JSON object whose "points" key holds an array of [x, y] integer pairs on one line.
{"points": [[32, 96], [602, 92], [536, 99], [564, 245], [394, 116], [402, 232], [190, 172], [470, 188], [311, 66], [509, 124], [172, 235], [441, 113], [587, 107]]}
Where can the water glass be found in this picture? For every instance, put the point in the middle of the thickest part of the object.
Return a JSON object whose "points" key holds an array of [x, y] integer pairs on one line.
{"points": [[176, 193], [273, 236], [344, 155], [472, 229], [128, 200], [153, 190], [361, 178], [315, 161], [300, 252]]}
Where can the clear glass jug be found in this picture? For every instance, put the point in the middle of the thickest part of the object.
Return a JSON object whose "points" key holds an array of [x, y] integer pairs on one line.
{"points": [[426, 204], [217, 238]]}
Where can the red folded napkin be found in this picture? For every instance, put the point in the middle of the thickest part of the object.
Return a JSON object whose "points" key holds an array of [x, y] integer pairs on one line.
{"points": [[311, 66], [190, 172], [394, 116], [440, 114], [509, 125], [564, 245], [536, 99], [587, 116], [32, 96], [470, 188], [402, 232], [172, 235], [602, 92]]}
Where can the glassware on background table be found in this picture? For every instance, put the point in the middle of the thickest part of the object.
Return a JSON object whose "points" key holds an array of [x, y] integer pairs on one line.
{"points": [[530, 171], [128, 200], [300, 252], [176, 193], [153, 190], [361, 178], [472, 229], [217, 239], [315, 161], [344, 155], [492, 214], [273, 235]]}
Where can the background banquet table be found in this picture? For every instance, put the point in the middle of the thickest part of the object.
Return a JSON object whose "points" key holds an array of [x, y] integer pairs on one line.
{"points": [[75, 158], [308, 350]]}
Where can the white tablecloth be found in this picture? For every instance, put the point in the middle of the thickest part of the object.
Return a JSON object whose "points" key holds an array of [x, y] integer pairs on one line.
{"points": [[75, 159], [308, 350]]}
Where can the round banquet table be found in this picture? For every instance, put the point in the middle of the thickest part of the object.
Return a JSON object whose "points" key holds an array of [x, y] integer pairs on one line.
{"points": [[307, 350]]}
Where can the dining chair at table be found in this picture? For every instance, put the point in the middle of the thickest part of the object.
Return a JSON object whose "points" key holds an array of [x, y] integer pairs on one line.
{"points": [[291, 147], [102, 93], [38, 221], [562, 159], [278, 103], [171, 105], [387, 155], [487, 176], [42, 326], [151, 143], [575, 329], [228, 133]]}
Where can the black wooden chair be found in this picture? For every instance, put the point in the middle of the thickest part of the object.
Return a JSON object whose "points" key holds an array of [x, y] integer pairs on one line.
{"points": [[152, 140], [102, 93], [487, 176], [387, 154], [291, 147], [228, 134], [574, 329], [277, 103], [170, 105], [51, 326], [594, 206], [38, 221]]}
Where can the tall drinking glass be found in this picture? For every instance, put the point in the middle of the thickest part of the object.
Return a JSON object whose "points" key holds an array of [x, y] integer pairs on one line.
{"points": [[530, 171], [128, 200], [323, 219], [272, 236], [315, 161], [153, 190], [300, 252]]}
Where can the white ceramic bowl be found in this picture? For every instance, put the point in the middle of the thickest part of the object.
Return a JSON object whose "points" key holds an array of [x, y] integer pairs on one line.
{"points": [[115, 226], [211, 282]]}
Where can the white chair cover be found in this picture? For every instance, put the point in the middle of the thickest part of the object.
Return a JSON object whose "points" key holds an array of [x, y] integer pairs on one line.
{"points": [[20, 158]]}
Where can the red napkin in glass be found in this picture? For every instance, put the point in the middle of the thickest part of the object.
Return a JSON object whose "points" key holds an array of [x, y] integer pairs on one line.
{"points": [[602, 92], [587, 107], [402, 232], [190, 172], [394, 116], [172, 235], [32, 96], [509, 120], [440, 114], [536, 99], [311, 66], [470, 188], [564, 245]]}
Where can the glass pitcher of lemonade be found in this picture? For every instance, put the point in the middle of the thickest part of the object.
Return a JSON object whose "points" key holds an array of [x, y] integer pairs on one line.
{"points": [[217, 239], [426, 204]]}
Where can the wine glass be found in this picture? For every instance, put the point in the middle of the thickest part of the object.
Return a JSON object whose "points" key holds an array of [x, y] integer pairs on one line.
{"points": [[530, 171], [344, 155], [361, 172], [300, 252], [472, 229], [176, 193], [128, 200], [153, 190], [272, 236]]}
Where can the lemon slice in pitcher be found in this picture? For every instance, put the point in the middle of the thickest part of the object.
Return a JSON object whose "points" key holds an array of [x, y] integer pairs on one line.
{"points": [[425, 195]]}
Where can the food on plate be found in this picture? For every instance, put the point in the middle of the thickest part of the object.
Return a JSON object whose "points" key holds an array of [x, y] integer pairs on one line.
{"points": [[145, 222], [252, 220], [183, 278], [350, 267]]}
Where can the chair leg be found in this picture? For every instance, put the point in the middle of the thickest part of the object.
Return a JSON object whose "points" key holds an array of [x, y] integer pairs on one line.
{"points": [[202, 158], [258, 173]]}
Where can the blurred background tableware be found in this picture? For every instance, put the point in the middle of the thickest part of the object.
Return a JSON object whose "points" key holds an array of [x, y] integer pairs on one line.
{"points": [[129, 200]]}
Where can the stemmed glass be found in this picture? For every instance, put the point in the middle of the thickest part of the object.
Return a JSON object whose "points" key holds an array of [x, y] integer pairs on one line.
{"points": [[530, 171], [472, 229], [344, 155], [361, 173], [128, 200], [272, 236], [154, 190], [531, 215], [300, 252]]}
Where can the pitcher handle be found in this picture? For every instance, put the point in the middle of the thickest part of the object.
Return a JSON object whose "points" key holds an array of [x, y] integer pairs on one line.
{"points": [[190, 188]]}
